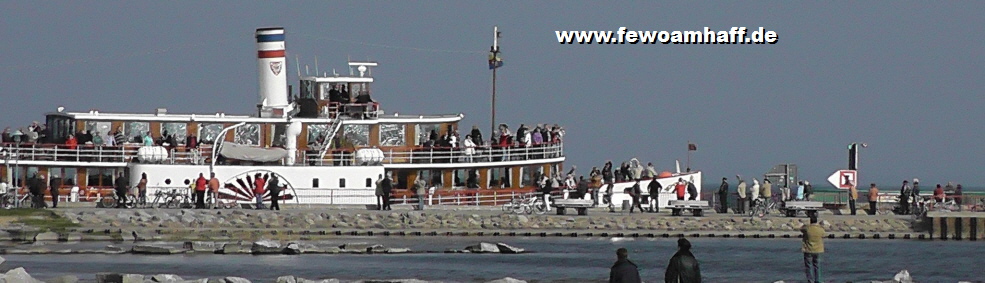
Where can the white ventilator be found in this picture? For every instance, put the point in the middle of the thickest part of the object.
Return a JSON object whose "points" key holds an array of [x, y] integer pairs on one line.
{"points": [[272, 72]]}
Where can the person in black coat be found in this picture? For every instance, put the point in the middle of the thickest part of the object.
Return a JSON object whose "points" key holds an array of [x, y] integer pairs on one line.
{"points": [[636, 193], [274, 188], [683, 267], [654, 189], [121, 190], [55, 184], [692, 191], [387, 192], [624, 271]]}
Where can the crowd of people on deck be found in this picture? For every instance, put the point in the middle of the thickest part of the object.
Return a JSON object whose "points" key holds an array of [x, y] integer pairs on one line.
{"points": [[504, 138], [38, 133]]}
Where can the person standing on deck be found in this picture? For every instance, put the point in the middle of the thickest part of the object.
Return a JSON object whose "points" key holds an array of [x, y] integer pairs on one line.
{"points": [[200, 185], [680, 188], [121, 190], [852, 196], [274, 188], [692, 190], [142, 189], [766, 191], [754, 193], [635, 193], [904, 197], [56, 183], [379, 193], [723, 196], [258, 190], [420, 188], [654, 188], [741, 190], [873, 198], [387, 191], [214, 188], [813, 247], [808, 190]]}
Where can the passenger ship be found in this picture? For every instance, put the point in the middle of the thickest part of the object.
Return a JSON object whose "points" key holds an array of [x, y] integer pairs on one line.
{"points": [[324, 151]]}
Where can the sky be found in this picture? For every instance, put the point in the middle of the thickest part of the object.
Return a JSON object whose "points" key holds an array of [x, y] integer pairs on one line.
{"points": [[904, 77]]}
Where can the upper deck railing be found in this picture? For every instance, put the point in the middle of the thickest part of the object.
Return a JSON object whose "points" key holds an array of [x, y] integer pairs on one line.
{"points": [[26, 152]]}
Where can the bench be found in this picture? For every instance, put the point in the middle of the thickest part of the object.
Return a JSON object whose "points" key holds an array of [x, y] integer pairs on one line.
{"points": [[696, 207], [581, 205], [792, 208]]}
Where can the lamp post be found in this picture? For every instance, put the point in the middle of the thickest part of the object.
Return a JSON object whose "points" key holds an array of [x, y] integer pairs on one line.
{"points": [[853, 154]]}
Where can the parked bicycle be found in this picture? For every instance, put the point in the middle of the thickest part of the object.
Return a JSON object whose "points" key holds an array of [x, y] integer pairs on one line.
{"points": [[762, 208], [526, 205], [113, 200]]}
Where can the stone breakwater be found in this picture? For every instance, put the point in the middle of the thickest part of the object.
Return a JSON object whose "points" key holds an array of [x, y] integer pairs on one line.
{"points": [[20, 275], [240, 224]]}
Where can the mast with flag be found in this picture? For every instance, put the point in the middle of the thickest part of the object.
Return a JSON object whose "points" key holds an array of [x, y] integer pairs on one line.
{"points": [[690, 147], [494, 63]]}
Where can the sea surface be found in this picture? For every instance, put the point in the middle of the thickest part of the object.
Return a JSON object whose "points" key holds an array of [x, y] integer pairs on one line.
{"points": [[550, 260]]}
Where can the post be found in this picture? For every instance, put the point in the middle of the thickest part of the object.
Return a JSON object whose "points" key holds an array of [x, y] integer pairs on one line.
{"points": [[493, 64], [688, 156]]}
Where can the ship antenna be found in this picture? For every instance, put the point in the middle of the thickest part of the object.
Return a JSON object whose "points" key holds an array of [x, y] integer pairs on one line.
{"points": [[298, 63]]}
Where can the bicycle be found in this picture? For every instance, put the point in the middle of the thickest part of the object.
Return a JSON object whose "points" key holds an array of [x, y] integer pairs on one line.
{"points": [[112, 201], [763, 207], [533, 204]]}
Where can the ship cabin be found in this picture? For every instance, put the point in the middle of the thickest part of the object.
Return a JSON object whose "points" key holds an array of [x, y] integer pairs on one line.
{"points": [[333, 122]]}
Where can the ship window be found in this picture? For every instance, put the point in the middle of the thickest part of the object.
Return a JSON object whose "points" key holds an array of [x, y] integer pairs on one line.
{"points": [[531, 175], [391, 134], [356, 135], [424, 131], [207, 132], [307, 90], [60, 128], [314, 182], [317, 133], [458, 178], [134, 131], [369, 182], [341, 182], [499, 178], [179, 130], [248, 134]]}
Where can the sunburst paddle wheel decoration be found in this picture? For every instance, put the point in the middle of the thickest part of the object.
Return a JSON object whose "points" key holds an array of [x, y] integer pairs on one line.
{"points": [[240, 187]]}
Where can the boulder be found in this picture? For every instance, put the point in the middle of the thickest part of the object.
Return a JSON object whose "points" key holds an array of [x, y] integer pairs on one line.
{"points": [[396, 250], [903, 277], [291, 249], [64, 279], [201, 247], [46, 237], [202, 280], [241, 247], [159, 249], [507, 280], [108, 277], [483, 248], [333, 280], [74, 237], [235, 280], [266, 247], [361, 247], [19, 275], [111, 249], [507, 249], [133, 278], [287, 279], [166, 278]]}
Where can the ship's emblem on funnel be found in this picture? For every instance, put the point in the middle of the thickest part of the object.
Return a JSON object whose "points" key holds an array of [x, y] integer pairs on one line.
{"points": [[276, 67]]}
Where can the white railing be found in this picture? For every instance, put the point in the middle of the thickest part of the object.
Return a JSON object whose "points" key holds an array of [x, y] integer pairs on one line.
{"points": [[182, 155], [431, 155]]}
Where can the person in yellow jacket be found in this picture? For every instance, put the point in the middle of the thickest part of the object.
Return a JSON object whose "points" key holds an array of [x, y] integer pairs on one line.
{"points": [[767, 190], [813, 247]]}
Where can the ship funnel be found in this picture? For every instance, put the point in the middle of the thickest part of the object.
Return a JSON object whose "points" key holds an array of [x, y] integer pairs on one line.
{"points": [[271, 68]]}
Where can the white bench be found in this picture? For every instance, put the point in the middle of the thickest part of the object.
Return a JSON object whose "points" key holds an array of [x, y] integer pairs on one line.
{"points": [[581, 205], [792, 208], [696, 207]]}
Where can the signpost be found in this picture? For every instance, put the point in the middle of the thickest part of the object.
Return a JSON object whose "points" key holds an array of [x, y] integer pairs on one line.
{"points": [[843, 179]]}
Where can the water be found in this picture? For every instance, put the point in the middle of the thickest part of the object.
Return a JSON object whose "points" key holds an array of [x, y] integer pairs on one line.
{"points": [[552, 260]]}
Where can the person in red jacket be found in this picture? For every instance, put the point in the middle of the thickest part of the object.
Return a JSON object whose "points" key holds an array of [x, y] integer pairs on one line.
{"points": [[259, 184], [939, 194], [71, 142], [200, 185], [680, 188]]}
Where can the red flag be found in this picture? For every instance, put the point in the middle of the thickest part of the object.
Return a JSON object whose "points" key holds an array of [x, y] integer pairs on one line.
{"points": [[692, 147]]}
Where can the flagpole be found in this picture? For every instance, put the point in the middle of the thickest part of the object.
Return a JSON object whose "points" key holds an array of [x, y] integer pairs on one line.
{"points": [[689, 156], [495, 53]]}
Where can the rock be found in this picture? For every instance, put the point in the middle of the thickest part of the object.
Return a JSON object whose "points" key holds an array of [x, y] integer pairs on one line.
{"points": [[333, 280], [46, 237], [156, 249], [111, 249], [291, 249], [903, 277], [507, 249], [64, 279], [360, 247], [133, 278], [287, 279], [203, 280], [241, 247], [74, 237], [166, 278], [397, 250], [483, 248], [2, 260], [507, 280], [201, 247], [235, 280], [266, 247], [19, 275], [107, 277]]}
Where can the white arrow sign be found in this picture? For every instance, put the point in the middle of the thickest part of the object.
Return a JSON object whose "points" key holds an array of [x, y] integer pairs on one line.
{"points": [[843, 179]]}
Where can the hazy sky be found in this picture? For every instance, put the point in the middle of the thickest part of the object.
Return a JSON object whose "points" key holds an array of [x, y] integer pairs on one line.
{"points": [[905, 77]]}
